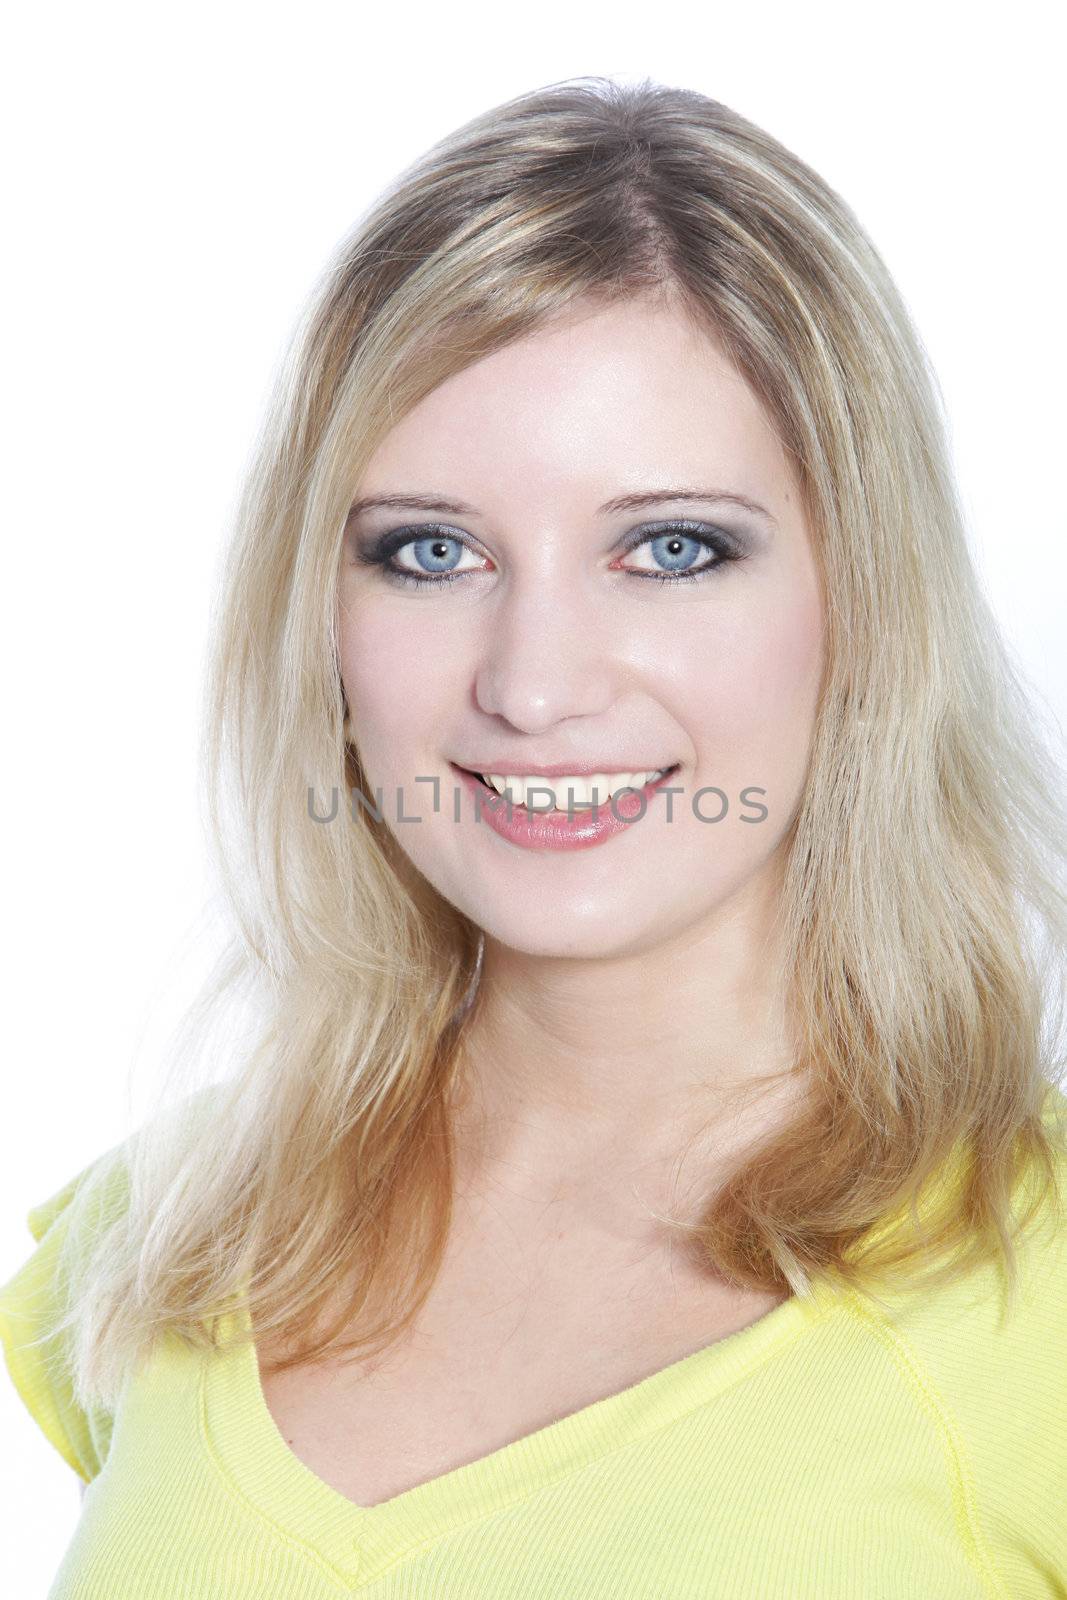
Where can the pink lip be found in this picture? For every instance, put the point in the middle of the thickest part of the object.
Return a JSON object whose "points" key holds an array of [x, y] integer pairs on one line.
{"points": [[580, 769], [578, 829]]}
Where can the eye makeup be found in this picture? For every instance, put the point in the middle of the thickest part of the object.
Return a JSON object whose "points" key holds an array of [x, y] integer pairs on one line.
{"points": [[720, 547]]}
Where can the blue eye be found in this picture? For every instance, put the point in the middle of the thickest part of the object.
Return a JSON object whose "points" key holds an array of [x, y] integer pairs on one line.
{"points": [[678, 546], [438, 550]]}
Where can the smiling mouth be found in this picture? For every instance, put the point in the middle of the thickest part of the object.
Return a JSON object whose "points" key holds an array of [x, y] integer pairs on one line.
{"points": [[603, 794]]}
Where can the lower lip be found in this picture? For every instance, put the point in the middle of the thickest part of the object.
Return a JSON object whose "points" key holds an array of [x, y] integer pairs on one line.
{"points": [[579, 829]]}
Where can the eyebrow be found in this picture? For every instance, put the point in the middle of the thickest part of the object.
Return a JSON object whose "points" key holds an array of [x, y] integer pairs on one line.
{"points": [[623, 502]]}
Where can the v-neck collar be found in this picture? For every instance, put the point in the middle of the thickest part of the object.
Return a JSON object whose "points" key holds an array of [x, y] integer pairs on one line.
{"points": [[359, 1543]]}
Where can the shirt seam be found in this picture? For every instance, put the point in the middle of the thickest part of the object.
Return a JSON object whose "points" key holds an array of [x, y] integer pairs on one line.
{"points": [[346, 1580], [965, 1499]]}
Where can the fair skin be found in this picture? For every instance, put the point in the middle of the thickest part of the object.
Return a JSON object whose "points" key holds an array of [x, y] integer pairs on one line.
{"points": [[617, 979], [626, 987]]}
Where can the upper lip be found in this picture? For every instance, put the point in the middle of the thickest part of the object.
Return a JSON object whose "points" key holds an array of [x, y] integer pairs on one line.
{"points": [[576, 769]]}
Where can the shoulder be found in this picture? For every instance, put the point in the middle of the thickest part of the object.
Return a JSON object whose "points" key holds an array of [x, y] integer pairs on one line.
{"points": [[973, 1330], [37, 1342], [993, 1368], [33, 1301]]}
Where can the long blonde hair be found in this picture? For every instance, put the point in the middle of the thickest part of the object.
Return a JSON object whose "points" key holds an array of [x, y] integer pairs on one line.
{"points": [[923, 901]]}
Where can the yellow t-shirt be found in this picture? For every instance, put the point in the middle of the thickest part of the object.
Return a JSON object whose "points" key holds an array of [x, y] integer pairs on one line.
{"points": [[829, 1451]]}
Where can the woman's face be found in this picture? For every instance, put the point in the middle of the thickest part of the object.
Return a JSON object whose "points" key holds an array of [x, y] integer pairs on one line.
{"points": [[555, 643]]}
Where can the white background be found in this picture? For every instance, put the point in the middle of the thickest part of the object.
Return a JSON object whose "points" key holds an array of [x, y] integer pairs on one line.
{"points": [[174, 180]]}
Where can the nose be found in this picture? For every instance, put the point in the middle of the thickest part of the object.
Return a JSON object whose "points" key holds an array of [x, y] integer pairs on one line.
{"points": [[547, 656]]}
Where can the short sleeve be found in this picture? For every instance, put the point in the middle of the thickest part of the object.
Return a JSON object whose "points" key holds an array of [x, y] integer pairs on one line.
{"points": [[35, 1357]]}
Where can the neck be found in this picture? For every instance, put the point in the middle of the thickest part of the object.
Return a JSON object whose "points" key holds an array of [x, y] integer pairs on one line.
{"points": [[582, 1073]]}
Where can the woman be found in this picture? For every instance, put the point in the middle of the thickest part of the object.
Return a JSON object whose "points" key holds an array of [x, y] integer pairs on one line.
{"points": [[645, 1175]]}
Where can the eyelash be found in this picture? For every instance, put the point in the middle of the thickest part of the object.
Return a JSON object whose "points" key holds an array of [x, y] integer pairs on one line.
{"points": [[382, 551]]}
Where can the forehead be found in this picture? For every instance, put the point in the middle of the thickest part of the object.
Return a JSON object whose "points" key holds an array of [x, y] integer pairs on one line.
{"points": [[598, 401]]}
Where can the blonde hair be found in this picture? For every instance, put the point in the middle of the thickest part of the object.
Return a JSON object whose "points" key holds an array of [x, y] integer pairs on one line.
{"points": [[923, 898]]}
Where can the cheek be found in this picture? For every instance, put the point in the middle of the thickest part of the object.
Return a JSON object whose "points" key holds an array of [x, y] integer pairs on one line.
{"points": [[377, 671], [397, 682], [752, 704]]}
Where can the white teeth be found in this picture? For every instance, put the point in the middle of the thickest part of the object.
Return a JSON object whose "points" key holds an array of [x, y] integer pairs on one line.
{"points": [[606, 784]]}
